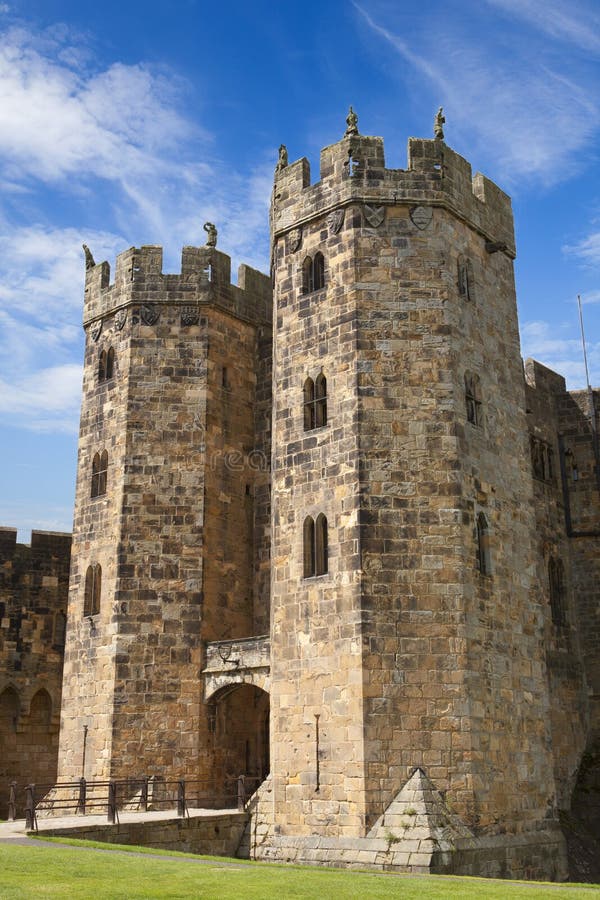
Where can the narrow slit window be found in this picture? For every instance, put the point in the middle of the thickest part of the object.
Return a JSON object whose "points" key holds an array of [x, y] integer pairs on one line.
{"points": [[93, 587], [99, 474], [473, 399], [309, 404], [309, 547], [483, 546], [321, 546], [320, 401]]}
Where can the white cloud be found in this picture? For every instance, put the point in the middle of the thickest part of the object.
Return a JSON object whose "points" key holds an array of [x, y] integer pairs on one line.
{"points": [[563, 354], [59, 121], [47, 400], [588, 249], [575, 24], [505, 94]]}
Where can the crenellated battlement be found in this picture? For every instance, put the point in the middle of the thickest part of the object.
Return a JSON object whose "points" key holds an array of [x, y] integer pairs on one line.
{"points": [[205, 277], [353, 171], [40, 568]]}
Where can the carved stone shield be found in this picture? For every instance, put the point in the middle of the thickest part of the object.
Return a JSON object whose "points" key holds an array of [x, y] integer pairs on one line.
{"points": [[189, 315], [335, 220], [374, 215], [294, 239], [421, 216], [120, 319], [96, 330], [148, 315]]}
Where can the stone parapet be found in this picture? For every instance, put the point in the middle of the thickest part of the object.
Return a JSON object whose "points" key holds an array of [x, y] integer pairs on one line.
{"points": [[353, 171]]}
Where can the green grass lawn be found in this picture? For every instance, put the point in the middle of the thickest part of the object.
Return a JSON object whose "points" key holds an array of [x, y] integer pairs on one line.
{"points": [[60, 870]]}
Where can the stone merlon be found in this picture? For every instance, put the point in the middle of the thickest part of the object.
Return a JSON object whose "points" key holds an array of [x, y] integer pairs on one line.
{"points": [[353, 171], [205, 278]]}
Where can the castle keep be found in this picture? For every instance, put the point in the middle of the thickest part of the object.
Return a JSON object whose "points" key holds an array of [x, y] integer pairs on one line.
{"points": [[329, 530]]}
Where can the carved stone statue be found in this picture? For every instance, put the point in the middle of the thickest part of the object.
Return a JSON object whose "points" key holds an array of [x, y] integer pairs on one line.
{"points": [[438, 125], [211, 234], [89, 259], [352, 123], [283, 159]]}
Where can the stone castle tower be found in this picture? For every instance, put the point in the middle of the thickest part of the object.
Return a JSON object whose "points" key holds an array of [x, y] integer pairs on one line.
{"points": [[168, 499], [418, 641]]}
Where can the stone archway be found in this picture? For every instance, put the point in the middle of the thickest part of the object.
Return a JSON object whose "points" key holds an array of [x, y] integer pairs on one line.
{"points": [[240, 714]]}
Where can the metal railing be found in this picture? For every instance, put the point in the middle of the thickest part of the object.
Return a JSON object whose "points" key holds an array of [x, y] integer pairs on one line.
{"points": [[85, 797]]}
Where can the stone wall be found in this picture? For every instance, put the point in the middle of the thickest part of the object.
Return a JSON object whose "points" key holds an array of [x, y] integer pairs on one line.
{"points": [[173, 532], [410, 651], [217, 834], [33, 605]]}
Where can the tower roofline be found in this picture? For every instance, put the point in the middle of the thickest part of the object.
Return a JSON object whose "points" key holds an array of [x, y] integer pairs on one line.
{"points": [[205, 277], [353, 170]]}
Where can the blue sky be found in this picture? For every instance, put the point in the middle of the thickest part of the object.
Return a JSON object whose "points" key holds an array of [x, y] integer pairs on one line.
{"points": [[132, 123]]}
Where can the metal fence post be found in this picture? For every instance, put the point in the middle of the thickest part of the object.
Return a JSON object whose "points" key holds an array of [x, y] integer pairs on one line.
{"points": [[181, 798], [82, 797], [241, 792], [112, 802], [144, 797], [30, 820], [12, 802]]}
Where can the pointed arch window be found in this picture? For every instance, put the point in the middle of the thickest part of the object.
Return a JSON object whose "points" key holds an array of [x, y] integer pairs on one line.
{"points": [[313, 273], [315, 402], [473, 399], [316, 547], [99, 473], [106, 365], [93, 588], [484, 559], [309, 547], [556, 582]]}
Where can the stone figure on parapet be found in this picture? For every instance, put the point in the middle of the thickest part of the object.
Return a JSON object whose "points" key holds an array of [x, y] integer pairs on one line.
{"points": [[89, 259], [351, 123], [438, 124], [211, 234], [283, 158]]}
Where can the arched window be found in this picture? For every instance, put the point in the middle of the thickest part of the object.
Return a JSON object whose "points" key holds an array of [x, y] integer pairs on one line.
{"points": [[313, 273], [316, 558], [321, 549], [110, 363], [556, 584], [319, 271], [106, 364], [484, 561], [315, 402], [309, 404], [321, 400], [40, 709], [93, 587], [99, 473], [309, 547], [102, 366], [473, 399]]}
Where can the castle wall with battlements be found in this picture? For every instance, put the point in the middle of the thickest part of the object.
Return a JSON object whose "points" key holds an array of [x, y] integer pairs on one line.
{"points": [[173, 532], [352, 461], [33, 604]]}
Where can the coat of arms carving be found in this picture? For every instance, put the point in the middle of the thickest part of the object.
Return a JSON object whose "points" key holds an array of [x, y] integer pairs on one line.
{"points": [[421, 216], [189, 315], [120, 319], [335, 220], [294, 239], [374, 215], [148, 315], [96, 330]]}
